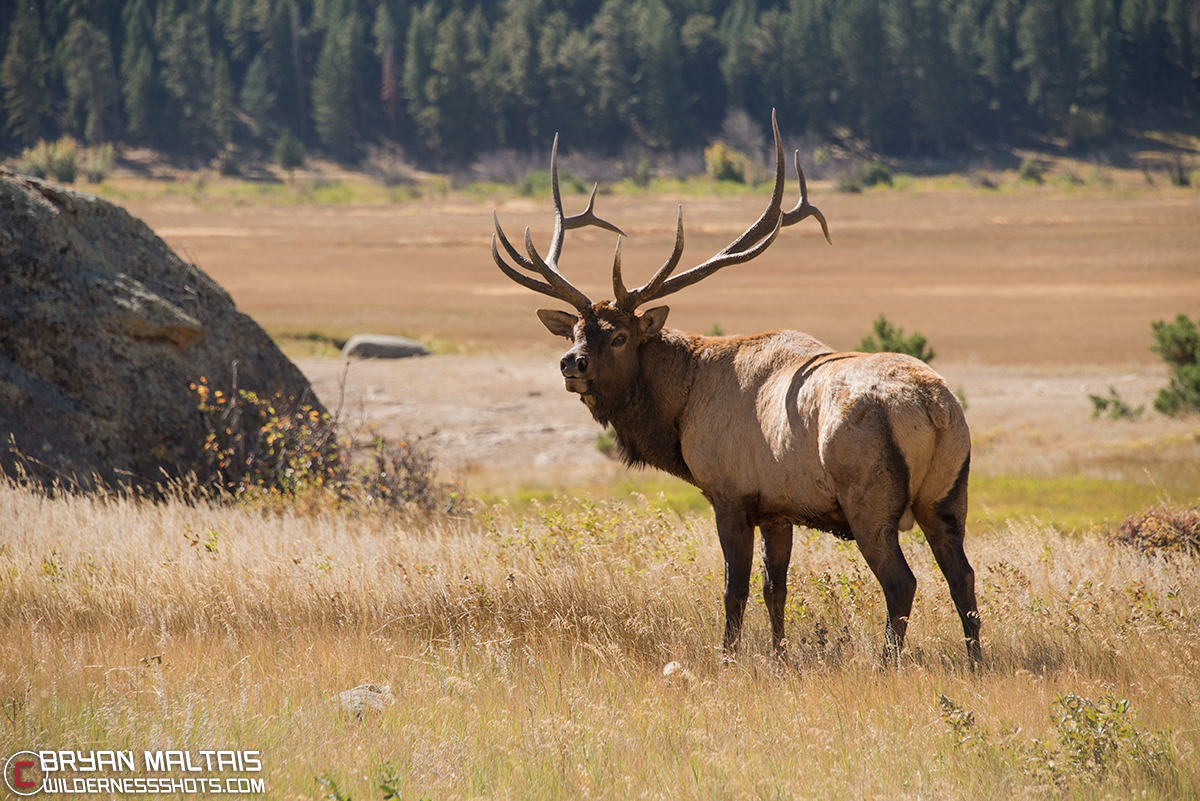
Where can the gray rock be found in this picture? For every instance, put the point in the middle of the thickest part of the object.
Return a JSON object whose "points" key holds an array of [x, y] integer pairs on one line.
{"points": [[382, 346], [102, 329], [366, 697]]}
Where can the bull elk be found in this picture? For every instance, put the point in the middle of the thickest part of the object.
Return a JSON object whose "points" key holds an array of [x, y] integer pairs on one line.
{"points": [[776, 429]]}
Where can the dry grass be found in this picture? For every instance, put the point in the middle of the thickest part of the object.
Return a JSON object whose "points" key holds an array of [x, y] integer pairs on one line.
{"points": [[525, 654]]}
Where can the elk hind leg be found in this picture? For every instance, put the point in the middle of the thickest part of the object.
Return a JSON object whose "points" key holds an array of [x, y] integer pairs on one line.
{"points": [[944, 525], [777, 553], [876, 531], [737, 545]]}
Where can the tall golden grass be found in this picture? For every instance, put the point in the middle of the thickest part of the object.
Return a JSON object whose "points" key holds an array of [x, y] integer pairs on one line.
{"points": [[525, 653]]}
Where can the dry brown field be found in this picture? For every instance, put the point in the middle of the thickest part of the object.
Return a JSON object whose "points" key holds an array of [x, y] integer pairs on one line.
{"points": [[1029, 275]]}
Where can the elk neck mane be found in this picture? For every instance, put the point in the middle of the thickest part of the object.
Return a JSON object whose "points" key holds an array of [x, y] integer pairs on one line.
{"points": [[646, 415]]}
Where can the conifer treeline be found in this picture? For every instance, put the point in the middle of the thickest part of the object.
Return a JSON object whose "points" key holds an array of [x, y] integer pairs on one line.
{"points": [[450, 78]]}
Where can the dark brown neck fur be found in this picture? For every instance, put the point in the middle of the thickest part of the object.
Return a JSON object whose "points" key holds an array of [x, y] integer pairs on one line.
{"points": [[646, 416]]}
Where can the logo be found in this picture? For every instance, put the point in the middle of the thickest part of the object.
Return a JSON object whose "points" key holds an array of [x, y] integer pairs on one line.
{"points": [[23, 773]]}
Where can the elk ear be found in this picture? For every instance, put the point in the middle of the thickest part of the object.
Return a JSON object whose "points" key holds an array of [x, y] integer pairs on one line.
{"points": [[652, 320], [558, 322]]}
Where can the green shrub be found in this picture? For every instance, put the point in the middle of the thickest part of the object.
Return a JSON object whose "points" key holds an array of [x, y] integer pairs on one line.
{"points": [[58, 161], [1179, 174], [874, 173], [1179, 345], [1091, 126], [642, 175], [289, 151], [228, 165], [1113, 407], [539, 182], [97, 161], [723, 163], [849, 182], [256, 448], [64, 160], [983, 179], [35, 161], [887, 338], [1031, 170], [252, 443], [1161, 528]]}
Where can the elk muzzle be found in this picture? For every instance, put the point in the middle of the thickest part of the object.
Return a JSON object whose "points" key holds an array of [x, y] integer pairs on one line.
{"points": [[574, 368]]}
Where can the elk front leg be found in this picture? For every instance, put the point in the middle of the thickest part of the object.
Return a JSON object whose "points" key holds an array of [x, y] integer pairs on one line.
{"points": [[737, 544], [777, 553]]}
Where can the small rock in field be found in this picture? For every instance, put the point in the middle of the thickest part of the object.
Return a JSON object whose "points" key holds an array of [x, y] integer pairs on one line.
{"points": [[364, 697], [382, 346]]}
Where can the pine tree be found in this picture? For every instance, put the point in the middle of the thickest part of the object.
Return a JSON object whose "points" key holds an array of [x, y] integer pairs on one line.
{"points": [[739, 27], [1047, 35], [385, 32], [334, 81], [220, 116], [918, 39], [456, 87], [566, 68], [512, 63], [702, 73], [140, 89], [1100, 45], [237, 22], [91, 80], [866, 95], [256, 98], [659, 107], [807, 81], [614, 43], [187, 73], [24, 75], [418, 57]]}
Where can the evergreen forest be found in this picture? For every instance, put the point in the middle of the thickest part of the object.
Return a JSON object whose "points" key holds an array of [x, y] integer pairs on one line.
{"points": [[448, 79]]}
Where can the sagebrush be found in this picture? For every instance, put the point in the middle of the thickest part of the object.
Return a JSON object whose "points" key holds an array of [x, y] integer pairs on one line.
{"points": [[888, 338]]}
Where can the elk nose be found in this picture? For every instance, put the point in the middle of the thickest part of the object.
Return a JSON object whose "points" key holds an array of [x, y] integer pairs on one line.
{"points": [[573, 366]]}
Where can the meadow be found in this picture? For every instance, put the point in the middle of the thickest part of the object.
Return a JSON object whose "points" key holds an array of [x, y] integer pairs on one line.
{"points": [[525, 656], [558, 643]]}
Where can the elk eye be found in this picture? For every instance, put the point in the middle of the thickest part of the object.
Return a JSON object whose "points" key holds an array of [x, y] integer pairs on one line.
{"points": [[619, 340]]}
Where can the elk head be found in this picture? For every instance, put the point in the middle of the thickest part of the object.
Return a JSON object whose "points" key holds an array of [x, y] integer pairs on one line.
{"points": [[607, 336]]}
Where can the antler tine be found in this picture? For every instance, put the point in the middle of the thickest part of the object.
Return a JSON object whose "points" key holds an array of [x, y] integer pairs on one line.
{"points": [[550, 272], [717, 262], [763, 225], [754, 241], [513, 253], [588, 217], [556, 242], [805, 209], [524, 280], [630, 300], [555, 286], [621, 295]]}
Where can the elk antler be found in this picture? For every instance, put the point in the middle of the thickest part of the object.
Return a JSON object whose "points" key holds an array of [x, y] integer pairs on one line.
{"points": [[555, 285], [757, 238]]}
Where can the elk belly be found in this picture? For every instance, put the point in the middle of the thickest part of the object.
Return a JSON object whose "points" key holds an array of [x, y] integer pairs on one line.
{"points": [[907, 521]]}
